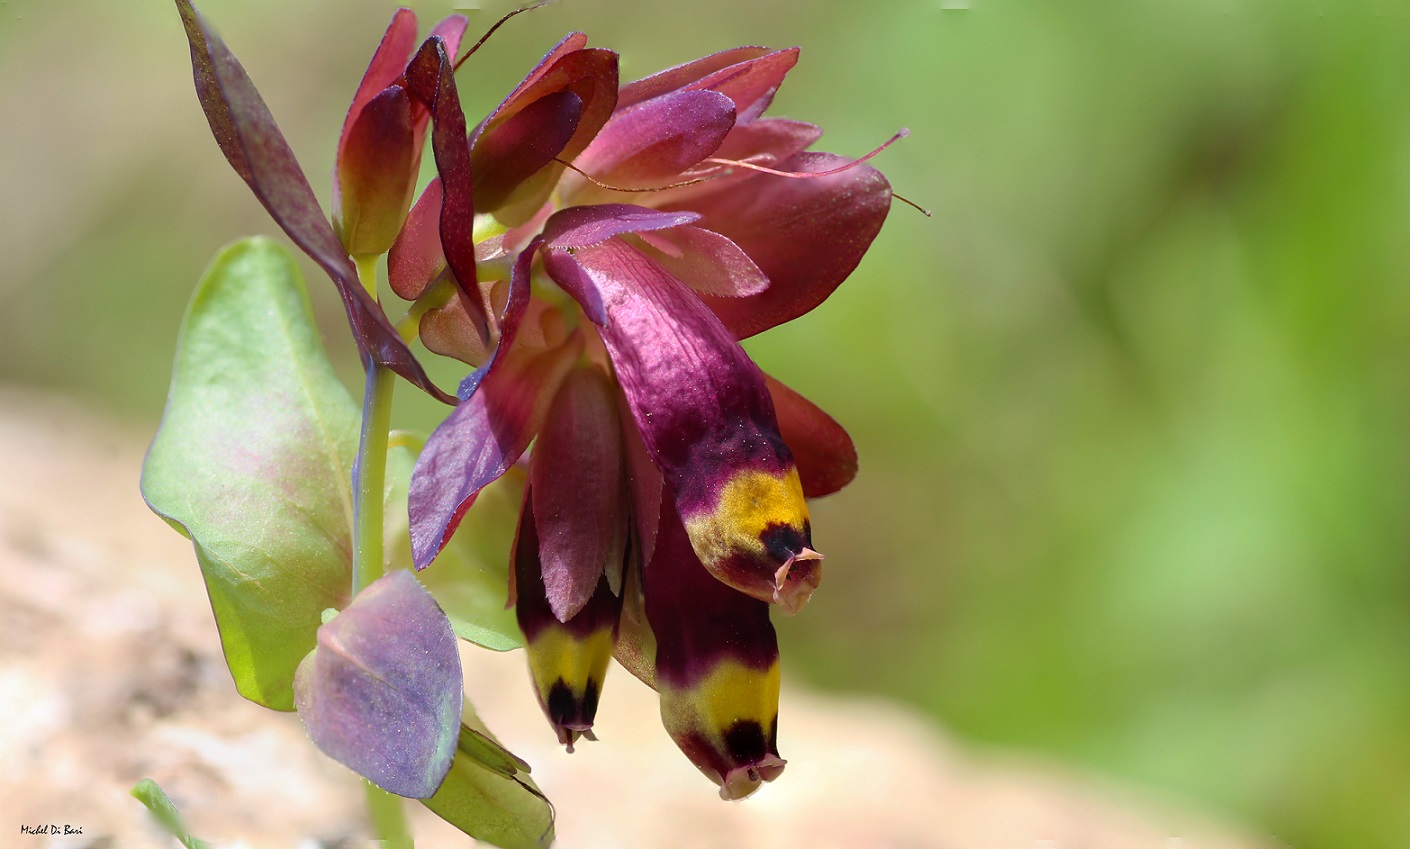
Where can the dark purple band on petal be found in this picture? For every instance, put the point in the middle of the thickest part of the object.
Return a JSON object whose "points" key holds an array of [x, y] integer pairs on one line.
{"points": [[699, 621], [716, 667], [431, 79], [251, 141], [568, 660]]}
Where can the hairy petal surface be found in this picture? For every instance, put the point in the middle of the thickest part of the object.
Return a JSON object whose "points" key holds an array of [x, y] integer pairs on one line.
{"points": [[716, 667], [255, 148]]}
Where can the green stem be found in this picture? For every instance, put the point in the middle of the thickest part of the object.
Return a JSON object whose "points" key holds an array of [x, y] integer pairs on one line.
{"points": [[370, 473], [388, 818]]}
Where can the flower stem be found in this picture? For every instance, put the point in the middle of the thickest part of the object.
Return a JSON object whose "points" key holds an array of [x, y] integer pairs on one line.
{"points": [[369, 484], [370, 472], [388, 818]]}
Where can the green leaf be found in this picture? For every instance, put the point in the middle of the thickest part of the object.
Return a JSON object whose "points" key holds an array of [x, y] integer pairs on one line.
{"points": [[149, 793], [252, 462], [489, 795], [470, 577]]}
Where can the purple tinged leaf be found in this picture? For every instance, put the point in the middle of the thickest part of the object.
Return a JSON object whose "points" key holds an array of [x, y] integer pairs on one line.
{"points": [[578, 491], [381, 694], [650, 144], [251, 141], [376, 176], [431, 79]]}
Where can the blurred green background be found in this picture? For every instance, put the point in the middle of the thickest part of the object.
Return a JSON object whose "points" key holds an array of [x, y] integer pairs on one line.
{"points": [[1132, 407]]}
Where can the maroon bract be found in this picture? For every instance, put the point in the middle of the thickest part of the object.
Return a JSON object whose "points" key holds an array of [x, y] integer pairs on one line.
{"points": [[666, 507], [367, 200]]}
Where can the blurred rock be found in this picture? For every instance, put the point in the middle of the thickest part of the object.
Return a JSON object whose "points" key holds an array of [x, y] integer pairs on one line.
{"points": [[110, 672]]}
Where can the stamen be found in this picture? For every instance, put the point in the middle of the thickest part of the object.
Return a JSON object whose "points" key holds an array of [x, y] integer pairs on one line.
{"points": [[805, 175], [501, 22], [911, 203], [601, 185]]}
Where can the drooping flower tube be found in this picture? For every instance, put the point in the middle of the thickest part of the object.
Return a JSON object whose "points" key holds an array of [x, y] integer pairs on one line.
{"points": [[667, 487]]}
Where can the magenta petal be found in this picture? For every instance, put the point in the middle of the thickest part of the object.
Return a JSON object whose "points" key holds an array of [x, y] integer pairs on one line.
{"points": [[806, 235], [376, 174], [681, 76], [386, 68], [382, 692], [579, 496], [697, 399], [431, 80], [827, 460], [590, 75], [416, 257], [251, 141], [504, 405], [523, 144], [751, 84], [584, 226], [706, 262], [650, 144]]}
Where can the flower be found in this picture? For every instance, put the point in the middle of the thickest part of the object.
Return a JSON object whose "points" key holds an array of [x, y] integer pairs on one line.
{"points": [[665, 511]]}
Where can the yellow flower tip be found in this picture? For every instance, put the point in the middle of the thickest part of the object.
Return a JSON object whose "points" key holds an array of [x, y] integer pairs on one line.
{"points": [[796, 579]]}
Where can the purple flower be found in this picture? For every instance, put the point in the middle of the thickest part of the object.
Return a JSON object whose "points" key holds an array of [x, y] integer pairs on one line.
{"points": [[665, 510]]}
